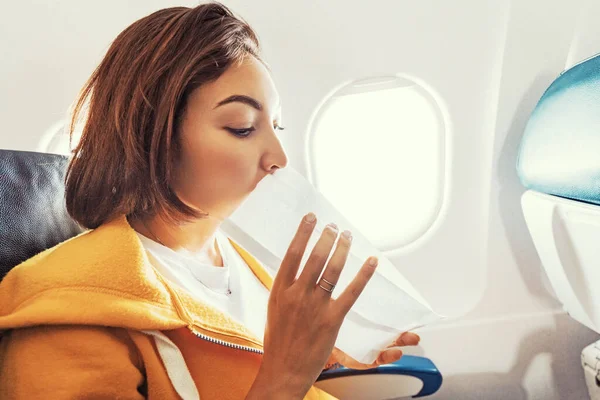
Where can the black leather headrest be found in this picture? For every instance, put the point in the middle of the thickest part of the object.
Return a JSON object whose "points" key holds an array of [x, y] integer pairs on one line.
{"points": [[33, 216]]}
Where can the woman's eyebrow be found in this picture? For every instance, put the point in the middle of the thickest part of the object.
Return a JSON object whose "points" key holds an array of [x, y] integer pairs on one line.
{"points": [[240, 98]]}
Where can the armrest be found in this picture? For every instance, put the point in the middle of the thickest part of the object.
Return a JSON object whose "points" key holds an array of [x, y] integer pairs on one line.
{"points": [[411, 376]]}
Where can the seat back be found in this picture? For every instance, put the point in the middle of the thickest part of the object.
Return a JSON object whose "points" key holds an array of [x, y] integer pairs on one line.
{"points": [[560, 149], [33, 216], [559, 161]]}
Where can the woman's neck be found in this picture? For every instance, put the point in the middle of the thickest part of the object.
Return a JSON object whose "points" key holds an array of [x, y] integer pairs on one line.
{"points": [[198, 237]]}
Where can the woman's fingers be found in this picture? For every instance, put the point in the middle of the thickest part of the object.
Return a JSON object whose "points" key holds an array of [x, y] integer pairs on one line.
{"points": [[291, 261], [334, 268], [406, 339], [318, 257], [348, 297], [389, 356]]}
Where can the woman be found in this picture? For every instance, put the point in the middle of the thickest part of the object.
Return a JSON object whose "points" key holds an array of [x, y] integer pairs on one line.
{"points": [[153, 301]]}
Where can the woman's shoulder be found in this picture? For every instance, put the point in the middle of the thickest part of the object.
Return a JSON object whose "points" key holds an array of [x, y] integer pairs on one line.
{"points": [[42, 357], [106, 257], [110, 241]]}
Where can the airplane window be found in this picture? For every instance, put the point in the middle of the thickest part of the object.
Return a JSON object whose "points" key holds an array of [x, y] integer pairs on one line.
{"points": [[376, 151]]}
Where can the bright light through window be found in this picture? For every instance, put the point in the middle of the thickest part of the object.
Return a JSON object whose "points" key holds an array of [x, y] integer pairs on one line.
{"points": [[378, 156]]}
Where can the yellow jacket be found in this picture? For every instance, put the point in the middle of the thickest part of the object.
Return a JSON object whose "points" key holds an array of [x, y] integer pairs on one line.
{"points": [[74, 322]]}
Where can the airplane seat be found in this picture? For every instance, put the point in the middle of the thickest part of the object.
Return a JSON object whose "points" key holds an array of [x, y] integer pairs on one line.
{"points": [[559, 164], [33, 217]]}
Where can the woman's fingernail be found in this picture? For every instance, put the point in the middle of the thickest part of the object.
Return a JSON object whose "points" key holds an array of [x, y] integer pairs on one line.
{"points": [[410, 338], [373, 261], [332, 226], [347, 235], [396, 355], [310, 218]]}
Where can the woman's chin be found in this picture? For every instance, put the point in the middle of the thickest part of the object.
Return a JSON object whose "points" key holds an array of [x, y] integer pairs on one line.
{"points": [[232, 207]]}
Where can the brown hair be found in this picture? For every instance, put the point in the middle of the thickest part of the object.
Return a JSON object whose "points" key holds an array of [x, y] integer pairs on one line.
{"points": [[137, 97]]}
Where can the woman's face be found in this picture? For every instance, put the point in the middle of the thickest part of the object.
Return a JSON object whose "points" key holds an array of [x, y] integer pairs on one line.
{"points": [[228, 139]]}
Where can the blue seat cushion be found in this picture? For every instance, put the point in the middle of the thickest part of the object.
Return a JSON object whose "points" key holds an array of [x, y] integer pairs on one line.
{"points": [[560, 149]]}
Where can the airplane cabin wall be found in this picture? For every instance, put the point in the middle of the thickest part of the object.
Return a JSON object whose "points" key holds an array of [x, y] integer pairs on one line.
{"points": [[518, 343]]}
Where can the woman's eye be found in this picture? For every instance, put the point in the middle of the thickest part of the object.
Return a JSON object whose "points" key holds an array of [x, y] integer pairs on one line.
{"points": [[278, 128], [241, 132]]}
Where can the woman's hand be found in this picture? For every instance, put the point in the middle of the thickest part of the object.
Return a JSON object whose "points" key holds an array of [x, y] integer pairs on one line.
{"points": [[391, 354], [303, 320]]}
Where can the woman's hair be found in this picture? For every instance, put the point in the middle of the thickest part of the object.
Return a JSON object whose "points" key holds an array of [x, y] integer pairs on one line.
{"points": [[132, 106]]}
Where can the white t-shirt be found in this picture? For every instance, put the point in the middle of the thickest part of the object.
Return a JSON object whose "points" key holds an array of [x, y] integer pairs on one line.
{"points": [[247, 302]]}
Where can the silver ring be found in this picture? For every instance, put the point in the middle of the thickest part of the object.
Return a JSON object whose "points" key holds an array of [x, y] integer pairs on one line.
{"points": [[330, 290], [326, 281]]}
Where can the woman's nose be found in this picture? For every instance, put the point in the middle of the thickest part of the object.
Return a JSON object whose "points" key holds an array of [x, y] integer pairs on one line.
{"points": [[275, 157]]}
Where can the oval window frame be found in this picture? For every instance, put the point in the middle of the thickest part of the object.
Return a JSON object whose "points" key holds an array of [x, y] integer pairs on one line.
{"points": [[439, 109]]}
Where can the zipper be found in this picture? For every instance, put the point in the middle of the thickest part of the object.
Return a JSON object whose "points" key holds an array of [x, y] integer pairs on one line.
{"points": [[224, 343], [185, 316]]}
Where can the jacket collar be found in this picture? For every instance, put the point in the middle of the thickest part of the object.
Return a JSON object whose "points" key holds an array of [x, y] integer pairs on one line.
{"points": [[107, 270]]}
